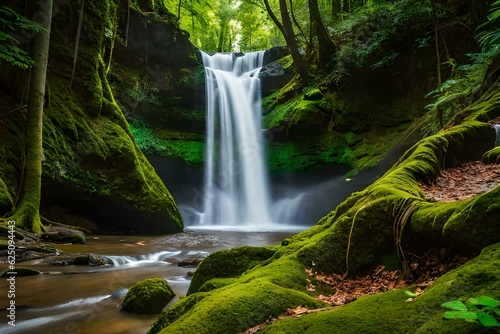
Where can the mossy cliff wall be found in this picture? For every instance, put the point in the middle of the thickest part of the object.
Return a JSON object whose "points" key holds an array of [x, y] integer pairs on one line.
{"points": [[92, 166]]}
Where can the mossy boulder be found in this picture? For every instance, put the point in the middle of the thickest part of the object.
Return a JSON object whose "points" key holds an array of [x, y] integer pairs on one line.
{"points": [[61, 234], [231, 309], [148, 296], [228, 263]]}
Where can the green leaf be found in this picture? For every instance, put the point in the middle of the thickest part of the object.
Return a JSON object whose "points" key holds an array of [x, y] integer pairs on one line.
{"points": [[487, 320], [410, 294], [485, 301], [459, 315], [456, 305]]}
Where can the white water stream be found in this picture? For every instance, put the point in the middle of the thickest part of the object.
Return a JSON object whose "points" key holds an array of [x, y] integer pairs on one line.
{"points": [[236, 179], [497, 129]]}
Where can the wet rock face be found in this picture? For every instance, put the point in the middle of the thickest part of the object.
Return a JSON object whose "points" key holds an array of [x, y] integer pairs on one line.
{"points": [[156, 41], [274, 75]]}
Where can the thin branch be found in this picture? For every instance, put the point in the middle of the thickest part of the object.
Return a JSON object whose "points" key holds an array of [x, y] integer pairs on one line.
{"points": [[77, 43], [13, 110]]}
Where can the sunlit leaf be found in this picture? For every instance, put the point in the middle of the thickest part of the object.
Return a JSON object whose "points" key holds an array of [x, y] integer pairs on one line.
{"points": [[485, 301], [487, 320], [410, 294], [456, 305], [459, 315]]}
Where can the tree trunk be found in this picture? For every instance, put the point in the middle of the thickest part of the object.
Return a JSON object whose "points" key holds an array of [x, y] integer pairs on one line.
{"points": [[27, 214], [298, 61], [326, 47]]}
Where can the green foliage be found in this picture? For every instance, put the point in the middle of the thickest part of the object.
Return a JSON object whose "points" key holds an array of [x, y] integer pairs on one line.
{"points": [[143, 93], [484, 310], [378, 32], [458, 91], [223, 25], [489, 37], [10, 21], [189, 150]]}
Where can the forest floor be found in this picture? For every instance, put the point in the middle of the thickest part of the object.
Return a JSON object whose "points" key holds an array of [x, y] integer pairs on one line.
{"points": [[463, 182]]}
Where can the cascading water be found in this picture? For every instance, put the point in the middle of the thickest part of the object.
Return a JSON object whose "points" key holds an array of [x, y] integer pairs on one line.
{"points": [[497, 129], [236, 181]]}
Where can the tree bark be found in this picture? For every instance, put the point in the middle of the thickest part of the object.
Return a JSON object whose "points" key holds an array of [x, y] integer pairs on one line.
{"points": [[326, 47], [27, 214], [299, 62]]}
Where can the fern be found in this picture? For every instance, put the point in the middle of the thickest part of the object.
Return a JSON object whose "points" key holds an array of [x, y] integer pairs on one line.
{"points": [[10, 20], [490, 37]]}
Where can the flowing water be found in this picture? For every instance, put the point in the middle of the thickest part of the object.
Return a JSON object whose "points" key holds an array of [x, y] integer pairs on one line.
{"points": [[497, 130], [236, 181], [85, 299]]}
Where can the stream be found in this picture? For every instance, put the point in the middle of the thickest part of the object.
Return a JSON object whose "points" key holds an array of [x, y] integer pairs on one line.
{"points": [[85, 299]]}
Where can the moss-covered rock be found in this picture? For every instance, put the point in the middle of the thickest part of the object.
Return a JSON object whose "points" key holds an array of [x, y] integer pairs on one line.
{"points": [[148, 296], [228, 263], [60, 234], [231, 309]]}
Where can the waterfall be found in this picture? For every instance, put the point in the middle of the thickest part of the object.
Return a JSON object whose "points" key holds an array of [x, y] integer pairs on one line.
{"points": [[236, 178], [497, 129]]}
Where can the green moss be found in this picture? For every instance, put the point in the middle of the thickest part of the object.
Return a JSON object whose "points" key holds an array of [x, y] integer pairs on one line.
{"points": [[99, 155], [232, 309], [390, 313], [148, 296], [470, 223], [227, 264], [492, 156], [189, 147]]}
